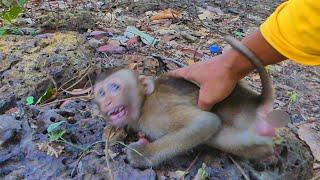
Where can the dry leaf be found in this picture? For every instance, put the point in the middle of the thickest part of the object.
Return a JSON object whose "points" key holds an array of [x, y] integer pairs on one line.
{"points": [[192, 52], [310, 133], [63, 105], [112, 154], [178, 174], [166, 14], [204, 32], [98, 34], [115, 134], [12, 110], [109, 48], [206, 15], [80, 91], [255, 76], [190, 62], [133, 41], [168, 38], [133, 66], [52, 149]]}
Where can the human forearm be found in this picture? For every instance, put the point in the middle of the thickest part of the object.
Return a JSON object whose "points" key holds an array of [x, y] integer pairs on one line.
{"points": [[239, 66]]}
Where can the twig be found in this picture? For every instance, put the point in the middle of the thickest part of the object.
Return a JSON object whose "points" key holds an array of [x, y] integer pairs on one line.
{"points": [[107, 154], [211, 28], [239, 167], [123, 144], [71, 144], [83, 74], [77, 81], [168, 59], [61, 100], [91, 145], [57, 21], [78, 161], [84, 153], [134, 150], [91, 84], [85, 91], [193, 162], [52, 13]]}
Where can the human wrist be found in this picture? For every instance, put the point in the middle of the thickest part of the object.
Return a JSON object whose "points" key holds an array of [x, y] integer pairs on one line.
{"points": [[234, 64], [238, 66]]}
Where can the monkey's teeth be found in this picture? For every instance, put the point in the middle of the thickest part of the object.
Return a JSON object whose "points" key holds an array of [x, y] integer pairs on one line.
{"points": [[118, 112], [121, 113]]}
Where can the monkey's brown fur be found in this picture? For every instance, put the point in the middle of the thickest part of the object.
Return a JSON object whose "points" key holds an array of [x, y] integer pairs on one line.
{"points": [[171, 119]]}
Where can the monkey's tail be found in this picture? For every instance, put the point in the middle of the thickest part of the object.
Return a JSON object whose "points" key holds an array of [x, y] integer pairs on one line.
{"points": [[267, 90]]}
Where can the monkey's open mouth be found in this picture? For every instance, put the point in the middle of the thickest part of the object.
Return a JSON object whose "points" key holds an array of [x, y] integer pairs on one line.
{"points": [[118, 112]]}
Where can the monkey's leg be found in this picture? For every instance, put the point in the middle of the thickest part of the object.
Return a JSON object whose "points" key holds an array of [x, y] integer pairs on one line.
{"points": [[241, 142], [229, 136], [198, 129]]}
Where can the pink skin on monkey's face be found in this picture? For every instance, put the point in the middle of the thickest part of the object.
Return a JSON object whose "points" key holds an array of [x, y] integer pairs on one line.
{"points": [[110, 95]]}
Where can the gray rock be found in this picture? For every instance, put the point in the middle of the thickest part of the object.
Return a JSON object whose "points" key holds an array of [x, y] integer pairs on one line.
{"points": [[10, 129], [6, 101]]}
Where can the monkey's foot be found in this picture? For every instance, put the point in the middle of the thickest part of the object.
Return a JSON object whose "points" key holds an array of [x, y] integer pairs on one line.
{"points": [[141, 135], [265, 129], [137, 155]]}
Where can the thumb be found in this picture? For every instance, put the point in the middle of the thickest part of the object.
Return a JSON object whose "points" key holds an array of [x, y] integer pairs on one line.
{"points": [[206, 99]]}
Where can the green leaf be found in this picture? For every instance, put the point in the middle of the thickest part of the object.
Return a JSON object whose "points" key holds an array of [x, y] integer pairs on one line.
{"points": [[3, 31], [57, 135], [270, 68], [15, 31], [22, 2], [238, 34], [48, 94], [12, 13], [203, 173], [54, 126], [30, 100], [293, 97]]}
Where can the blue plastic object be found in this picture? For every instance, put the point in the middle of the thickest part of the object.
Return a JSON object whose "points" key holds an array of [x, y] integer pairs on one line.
{"points": [[215, 49]]}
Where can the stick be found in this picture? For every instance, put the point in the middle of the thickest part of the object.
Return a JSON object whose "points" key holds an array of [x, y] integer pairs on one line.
{"points": [[240, 168], [168, 59]]}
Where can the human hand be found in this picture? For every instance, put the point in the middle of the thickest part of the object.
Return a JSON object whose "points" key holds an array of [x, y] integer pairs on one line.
{"points": [[216, 79]]}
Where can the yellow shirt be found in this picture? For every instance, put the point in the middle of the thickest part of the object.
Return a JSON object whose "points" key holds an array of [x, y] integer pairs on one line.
{"points": [[294, 30]]}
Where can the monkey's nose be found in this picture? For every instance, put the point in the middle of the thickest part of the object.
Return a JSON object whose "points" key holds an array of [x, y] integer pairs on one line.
{"points": [[107, 101]]}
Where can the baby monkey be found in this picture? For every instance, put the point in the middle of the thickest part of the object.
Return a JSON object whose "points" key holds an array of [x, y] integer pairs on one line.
{"points": [[166, 111]]}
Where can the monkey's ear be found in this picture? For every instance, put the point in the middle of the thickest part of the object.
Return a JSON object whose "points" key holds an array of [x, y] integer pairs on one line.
{"points": [[147, 83]]}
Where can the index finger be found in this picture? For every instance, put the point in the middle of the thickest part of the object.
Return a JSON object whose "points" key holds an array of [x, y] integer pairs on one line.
{"points": [[177, 73]]}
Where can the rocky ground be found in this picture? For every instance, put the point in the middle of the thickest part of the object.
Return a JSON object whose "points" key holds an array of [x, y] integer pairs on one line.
{"points": [[49, 128]]}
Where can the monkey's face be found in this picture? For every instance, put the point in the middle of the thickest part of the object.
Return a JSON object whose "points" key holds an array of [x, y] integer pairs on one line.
{"points": [[119, 97]]}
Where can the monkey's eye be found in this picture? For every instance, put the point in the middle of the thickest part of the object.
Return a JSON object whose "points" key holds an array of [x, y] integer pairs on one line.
{"points": [[101, 92], [113, 87]]}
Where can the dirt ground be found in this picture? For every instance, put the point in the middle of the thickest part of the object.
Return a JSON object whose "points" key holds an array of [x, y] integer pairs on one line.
{"points": [[58, 43]]}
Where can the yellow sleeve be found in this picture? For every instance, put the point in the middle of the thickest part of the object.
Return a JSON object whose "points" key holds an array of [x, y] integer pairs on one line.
{"points": [[294, 30]]}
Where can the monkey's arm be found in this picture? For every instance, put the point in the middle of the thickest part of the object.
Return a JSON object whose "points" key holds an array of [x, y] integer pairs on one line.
{"points": [[202, 126]]}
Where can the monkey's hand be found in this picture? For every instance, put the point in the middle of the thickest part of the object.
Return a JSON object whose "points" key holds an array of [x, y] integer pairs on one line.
{"points": [[137, 155]]}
